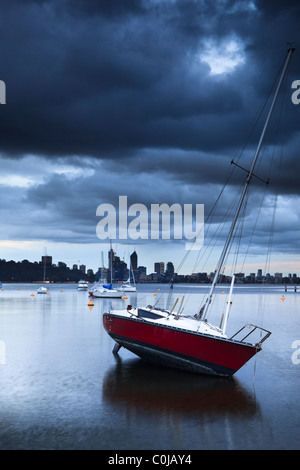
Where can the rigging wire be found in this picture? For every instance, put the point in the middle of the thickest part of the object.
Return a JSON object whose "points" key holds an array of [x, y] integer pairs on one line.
{"points": [[282, 120], [208, 249], [238, 233]]}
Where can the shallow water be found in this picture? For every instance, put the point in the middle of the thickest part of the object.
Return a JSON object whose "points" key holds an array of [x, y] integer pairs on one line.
{"points": [[62, 388]]}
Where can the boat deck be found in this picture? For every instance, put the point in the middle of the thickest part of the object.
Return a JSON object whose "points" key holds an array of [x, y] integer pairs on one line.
{"points": [[164, 318]]}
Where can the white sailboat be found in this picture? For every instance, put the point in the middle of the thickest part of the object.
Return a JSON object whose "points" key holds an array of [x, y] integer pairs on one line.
{"points": [[104, 290], [43, 289], [128, 286]]}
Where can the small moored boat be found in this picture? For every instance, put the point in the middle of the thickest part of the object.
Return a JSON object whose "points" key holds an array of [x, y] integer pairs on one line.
{"points": [[82, 285]]}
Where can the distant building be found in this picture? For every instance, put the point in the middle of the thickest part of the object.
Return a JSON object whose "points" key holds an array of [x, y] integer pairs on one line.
{"points": [[202, 277], [239, 275], [159, 268], [170, 269], [82, 268], [119, 268], [141, 273], [134, 260], [47, 260], [102, 274], [154, 277]]}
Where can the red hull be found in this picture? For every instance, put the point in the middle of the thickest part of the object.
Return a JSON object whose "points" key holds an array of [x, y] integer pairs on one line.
{"points": [[179, 348]]}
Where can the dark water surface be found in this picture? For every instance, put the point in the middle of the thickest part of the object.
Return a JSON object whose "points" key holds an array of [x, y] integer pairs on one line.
{"points": [[62, 388]]}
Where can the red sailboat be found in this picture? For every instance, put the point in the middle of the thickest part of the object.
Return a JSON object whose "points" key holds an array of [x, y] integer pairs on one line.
{"points": [[192, 343]]}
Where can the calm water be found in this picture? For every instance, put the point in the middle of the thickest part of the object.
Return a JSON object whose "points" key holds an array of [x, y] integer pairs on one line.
{"points": [[62, 388]]}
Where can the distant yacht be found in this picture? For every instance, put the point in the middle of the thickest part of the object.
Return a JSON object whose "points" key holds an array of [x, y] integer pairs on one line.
{"points": [[104, 290], [82, 285], [43, 289], [127, 286]]}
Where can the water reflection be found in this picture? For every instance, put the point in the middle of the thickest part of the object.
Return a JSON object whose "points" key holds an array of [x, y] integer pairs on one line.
{"points": [[141, 387], [61, 387]]}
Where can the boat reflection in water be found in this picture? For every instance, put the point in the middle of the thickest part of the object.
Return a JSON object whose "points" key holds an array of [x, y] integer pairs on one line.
{"points": [[139, 387]]}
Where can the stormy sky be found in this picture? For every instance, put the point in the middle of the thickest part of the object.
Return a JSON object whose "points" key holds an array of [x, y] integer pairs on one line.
{"points": [[151, 99]]}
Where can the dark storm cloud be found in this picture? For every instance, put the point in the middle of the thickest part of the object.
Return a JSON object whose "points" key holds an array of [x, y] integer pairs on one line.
{"points": [[107, 79], [66, 208], [105, 8]]}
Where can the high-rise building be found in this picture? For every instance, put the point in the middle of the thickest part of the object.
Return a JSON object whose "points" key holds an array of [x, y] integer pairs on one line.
{"points": [[82, 268], [47, 260], [141, 273], [102, 274], [119, 268], [134, 260], [142, 270], [159, 268], [170, 268]]}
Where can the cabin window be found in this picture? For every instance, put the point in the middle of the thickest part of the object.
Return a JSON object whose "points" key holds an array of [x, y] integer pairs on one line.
{"points": [[148, 314]]}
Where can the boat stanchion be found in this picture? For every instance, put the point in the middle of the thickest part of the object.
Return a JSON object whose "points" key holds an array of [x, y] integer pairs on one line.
{"points": [[179, 310], [171, 311]]}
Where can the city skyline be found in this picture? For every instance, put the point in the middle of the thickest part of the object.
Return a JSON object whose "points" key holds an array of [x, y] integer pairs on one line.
{"points": [[285, 266], [159, 267]]}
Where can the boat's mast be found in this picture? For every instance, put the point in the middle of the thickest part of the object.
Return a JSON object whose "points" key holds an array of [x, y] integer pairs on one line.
{"points": [[250, 174], [45, 271], [110, 263], [44, 278], [133, 277]]}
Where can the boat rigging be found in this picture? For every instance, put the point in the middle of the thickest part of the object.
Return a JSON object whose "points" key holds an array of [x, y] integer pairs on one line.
{"points": [[192, 343]]}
